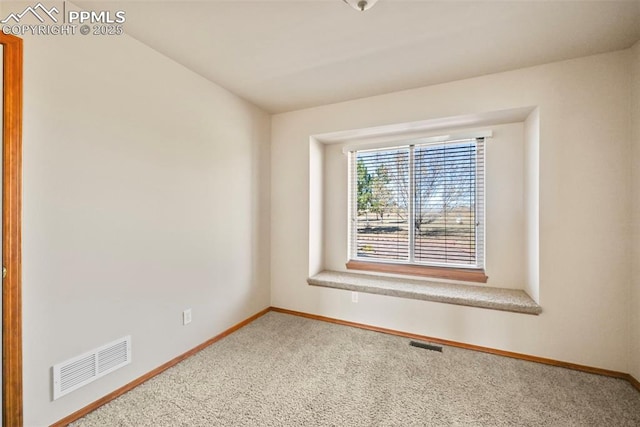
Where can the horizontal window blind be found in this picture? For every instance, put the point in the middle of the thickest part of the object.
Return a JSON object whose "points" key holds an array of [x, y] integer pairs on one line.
{"points": [[421, 204], [380, 204]]}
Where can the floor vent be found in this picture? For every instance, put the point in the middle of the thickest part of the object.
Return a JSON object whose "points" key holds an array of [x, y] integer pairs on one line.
{"points": [[425, 345], [81, 370]]}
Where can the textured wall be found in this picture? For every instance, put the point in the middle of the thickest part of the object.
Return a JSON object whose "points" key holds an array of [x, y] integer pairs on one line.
{"points": [[635, 217], [145, 193], [584, 227]]}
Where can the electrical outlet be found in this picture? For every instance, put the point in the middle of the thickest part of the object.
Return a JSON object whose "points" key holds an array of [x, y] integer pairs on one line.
{"points": [[186, 316], [354, 297]]}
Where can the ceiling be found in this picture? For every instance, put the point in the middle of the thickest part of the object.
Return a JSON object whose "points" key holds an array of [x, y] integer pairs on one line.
{"points": [[288, 55]]}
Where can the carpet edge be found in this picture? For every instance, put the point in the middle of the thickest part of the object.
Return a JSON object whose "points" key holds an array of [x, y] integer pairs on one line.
{"points": [[133, 384], [514, 355], [634, 382]]}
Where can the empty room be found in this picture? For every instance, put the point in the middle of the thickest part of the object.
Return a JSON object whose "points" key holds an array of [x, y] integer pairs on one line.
{"points": [[321, 213]]}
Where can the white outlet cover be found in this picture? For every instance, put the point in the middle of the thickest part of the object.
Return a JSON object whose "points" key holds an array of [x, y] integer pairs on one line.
{"points": [[186, 316]]}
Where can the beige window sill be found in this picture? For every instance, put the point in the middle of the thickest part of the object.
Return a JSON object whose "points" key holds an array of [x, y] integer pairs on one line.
{"points": [[513, 300]]}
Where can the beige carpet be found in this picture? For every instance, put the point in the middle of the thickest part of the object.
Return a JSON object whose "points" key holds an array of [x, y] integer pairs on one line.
{"points": [[283, 370]]}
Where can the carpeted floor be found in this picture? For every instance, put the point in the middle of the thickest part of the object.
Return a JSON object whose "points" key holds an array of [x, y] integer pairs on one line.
{"points": [[283, 370]]}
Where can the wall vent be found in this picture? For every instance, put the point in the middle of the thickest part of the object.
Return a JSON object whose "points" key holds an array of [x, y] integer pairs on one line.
{"points": [[81, 370]]}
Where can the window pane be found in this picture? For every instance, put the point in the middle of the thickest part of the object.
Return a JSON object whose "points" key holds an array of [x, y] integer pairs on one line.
{"points": [[445, 203], [382, 205]]}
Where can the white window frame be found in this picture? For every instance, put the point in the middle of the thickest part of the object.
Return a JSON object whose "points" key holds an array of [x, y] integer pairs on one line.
{"points": [[480, 235]]}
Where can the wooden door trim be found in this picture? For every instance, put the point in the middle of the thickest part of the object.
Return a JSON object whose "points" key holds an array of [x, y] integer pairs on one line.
{"points": [[12, 414]]}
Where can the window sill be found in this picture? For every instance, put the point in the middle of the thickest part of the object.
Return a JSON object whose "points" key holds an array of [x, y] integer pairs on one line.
{"points": [[513, 300], [466, 275]]}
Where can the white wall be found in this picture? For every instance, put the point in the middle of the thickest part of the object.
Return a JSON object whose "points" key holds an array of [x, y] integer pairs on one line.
{"points": [[504, 157], [635, 217], [584, 206], [532, 204], [146, 191]]}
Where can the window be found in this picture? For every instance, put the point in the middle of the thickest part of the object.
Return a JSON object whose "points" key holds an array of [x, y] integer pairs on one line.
{"points": [[419, 209]]}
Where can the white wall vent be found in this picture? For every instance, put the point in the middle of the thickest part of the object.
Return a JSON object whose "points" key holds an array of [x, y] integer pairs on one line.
{"points": [[81, 370]]}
